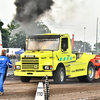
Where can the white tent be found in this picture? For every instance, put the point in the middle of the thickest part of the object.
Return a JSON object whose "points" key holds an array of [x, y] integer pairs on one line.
{"points": [[12, 50]]}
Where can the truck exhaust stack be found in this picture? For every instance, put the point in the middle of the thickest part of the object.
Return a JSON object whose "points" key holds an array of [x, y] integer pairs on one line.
{"points": [[72, 40]]}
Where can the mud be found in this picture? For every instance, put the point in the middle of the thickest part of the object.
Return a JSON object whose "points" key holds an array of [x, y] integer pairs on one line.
{"points": [[72, 89]]}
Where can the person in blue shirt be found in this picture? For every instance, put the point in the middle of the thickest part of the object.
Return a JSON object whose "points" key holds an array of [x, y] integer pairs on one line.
{"points": [[4, 64]]}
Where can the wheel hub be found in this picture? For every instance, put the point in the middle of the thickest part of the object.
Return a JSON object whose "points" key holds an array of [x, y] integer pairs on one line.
{"points": [[62, 76], [91, 72]]}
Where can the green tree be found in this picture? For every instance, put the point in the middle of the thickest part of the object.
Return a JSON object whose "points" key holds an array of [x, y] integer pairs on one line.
{"points": [[18, 40], [98, 47], [43, 27], [13, 25], [5, 37], [79, 46], [1, 24]]}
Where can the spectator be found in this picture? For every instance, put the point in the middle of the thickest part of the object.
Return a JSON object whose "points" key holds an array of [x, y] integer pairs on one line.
{"points": [[4, 64]]}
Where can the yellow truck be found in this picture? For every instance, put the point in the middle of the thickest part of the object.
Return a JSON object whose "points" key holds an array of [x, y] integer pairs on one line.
{"points": [[50, 54]]}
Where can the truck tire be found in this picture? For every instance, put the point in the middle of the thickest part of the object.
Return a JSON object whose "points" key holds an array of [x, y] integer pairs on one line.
{"points": [[59, 75], [90, 74], [25, 79]]}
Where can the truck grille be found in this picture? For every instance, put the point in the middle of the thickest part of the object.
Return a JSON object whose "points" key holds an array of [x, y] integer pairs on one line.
{"points": [[30, 63]]}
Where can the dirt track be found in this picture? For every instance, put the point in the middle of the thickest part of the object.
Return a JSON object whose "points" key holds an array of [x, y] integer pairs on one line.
{"points": [[14, 89]]}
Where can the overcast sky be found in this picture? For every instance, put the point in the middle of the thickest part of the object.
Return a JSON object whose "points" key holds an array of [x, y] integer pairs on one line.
{"points": [[66, 16]]}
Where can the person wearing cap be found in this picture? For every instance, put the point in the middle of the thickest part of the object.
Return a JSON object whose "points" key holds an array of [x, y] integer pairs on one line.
{"points": [[4, 64]]}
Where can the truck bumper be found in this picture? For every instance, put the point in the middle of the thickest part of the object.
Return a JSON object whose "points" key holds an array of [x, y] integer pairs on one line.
{"points": [[36, 74]]}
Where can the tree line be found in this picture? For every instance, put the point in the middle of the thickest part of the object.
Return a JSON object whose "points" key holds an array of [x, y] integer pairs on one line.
{"points": [[17, 40]]}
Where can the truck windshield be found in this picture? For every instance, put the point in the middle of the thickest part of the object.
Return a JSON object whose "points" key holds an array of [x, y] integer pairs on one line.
{"points": [[43, 44]]}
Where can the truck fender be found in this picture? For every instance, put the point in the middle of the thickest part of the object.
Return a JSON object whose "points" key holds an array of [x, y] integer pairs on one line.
{"points": [[93, 64], [60, 65]]}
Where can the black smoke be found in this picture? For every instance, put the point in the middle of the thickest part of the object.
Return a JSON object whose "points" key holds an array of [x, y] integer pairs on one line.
{"points": [[31, 10]]}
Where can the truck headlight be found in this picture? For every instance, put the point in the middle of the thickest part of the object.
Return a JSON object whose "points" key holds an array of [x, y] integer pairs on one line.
{"points": [[17, 67], [47, 67]]}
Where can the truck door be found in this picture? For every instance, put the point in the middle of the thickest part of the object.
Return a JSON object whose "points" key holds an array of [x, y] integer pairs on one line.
{"points": [[65, 55], [64, 44]]}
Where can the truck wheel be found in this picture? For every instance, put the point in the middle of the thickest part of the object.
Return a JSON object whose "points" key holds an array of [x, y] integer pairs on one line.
{"points": [[90, 74], [25, 79], [59, 75]]}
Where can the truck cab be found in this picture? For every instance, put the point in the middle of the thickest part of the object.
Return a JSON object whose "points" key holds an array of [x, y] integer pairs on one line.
{"points": [[50, 54]]}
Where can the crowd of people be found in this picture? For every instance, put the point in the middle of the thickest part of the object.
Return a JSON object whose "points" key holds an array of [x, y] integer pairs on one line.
{"points": [[13, 56]]}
